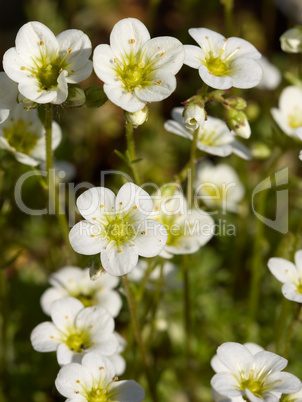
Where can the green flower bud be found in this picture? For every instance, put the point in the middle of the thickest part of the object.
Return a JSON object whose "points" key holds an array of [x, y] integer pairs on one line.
{"points": [[291, 40], [137, 118], [260, 150], [95, 96], [76, 96], [236, 102], [26, 103], [237, 121]]}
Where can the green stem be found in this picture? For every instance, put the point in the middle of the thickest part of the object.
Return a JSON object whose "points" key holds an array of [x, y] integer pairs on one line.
{"points": [[4, 327], [51, 177], [294, 321], [156, 299], [139, 340], [187, 308], [228, 16], [281, 325], [191, 176], [131, 153]]}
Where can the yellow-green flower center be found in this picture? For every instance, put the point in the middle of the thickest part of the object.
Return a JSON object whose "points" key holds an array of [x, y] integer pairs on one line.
{"points": [[87, 299], [216, 66], [97, 395], [20, 137], [135, 71], [120, 230], [255, 386], [78, 341], [295, 119]]}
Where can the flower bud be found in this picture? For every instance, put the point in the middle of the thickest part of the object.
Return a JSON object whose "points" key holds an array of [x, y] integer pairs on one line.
{"points": [[137, 118], [237, 121], [26, 103], [194, 116], [76, 96], [237, 102], [291, 40], [95, 96], [260, 150]]}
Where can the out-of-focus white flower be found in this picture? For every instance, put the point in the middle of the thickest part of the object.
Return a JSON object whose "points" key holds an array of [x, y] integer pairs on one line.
{"points": [[295, 397], [214, 137], [23, 135], [291, 40], [222, 62], [74, 331], [135, 69], [289, 114], [76, 282], [290, 275], [44, 64], [257, 376], [8, 96], [188, 230], [117, 227], [168, 274], [271, 77], [94, 380], [194, 117], [299, 134], [117, 359], [219, 186]]}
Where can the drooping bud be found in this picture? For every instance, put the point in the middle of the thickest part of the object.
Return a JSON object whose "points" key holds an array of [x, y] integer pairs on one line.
{"points": [[194, 116], [291, 40], [137, 118], [237, 121], [26, 103], [76, 96], [95, 96]]}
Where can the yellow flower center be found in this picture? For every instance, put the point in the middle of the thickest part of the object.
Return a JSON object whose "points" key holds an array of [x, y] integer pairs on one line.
{"points": [[97, 395], [295, 119], [255, 386], [20, 137], [78, 341], [216, 66]]}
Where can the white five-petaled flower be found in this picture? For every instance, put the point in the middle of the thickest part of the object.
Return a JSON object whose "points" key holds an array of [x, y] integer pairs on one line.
{"points": [[8, 96], [222, 62], [289, 274], [44, 64], [219, 186], [76, 282], [74, 331], [136, 69], [188, 229], [117, 227], [214, 137], [94, 380], [23, 134], [257, 376], [289, 114]]}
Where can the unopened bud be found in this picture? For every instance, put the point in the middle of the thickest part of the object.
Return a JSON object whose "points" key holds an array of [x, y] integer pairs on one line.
{"points": [[26, 103], [237, 102], [194, 117], [137, 118], [237, 121], [260, 150], [291, 40], [76, 96], [95, 96]]}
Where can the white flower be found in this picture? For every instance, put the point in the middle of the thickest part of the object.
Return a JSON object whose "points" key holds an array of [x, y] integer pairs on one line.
{"points": [[76, 282], [44, 64], [23, 135], [117, 359], [223, 63], [194, 117], [257, 375], [290, 275], [94, 380], [299, 134], [117, 227], [291, 40], [214, 137], [136, 69], [219, 186], [188, 230], [289, 114], [295, 397], [169, 273], [271, 77], [75, 330], [8, 96]]}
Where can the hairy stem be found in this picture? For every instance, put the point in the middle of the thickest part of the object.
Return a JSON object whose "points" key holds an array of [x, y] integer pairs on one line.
{"points": [[131, 153]]}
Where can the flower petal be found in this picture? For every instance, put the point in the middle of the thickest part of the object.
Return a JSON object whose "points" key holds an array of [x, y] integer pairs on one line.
{"points": [[226, 384], [120, 260], [237, 358], [283, 382], [49, 296], [268, 362], [66, 355], [282, 269], [164, 84], [128, 391], [72, 379], [175, 128], [194, 55], [291, 292], [104, 65], [207, 39], [242, 47], [246, 73], [98, 320], [45, 337], [86, 238], [110, 300], [100, 368], [133, 203], [122, 98], [64, 311], [128, 36], [150, 239], [96, 201], [214, 81]]}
